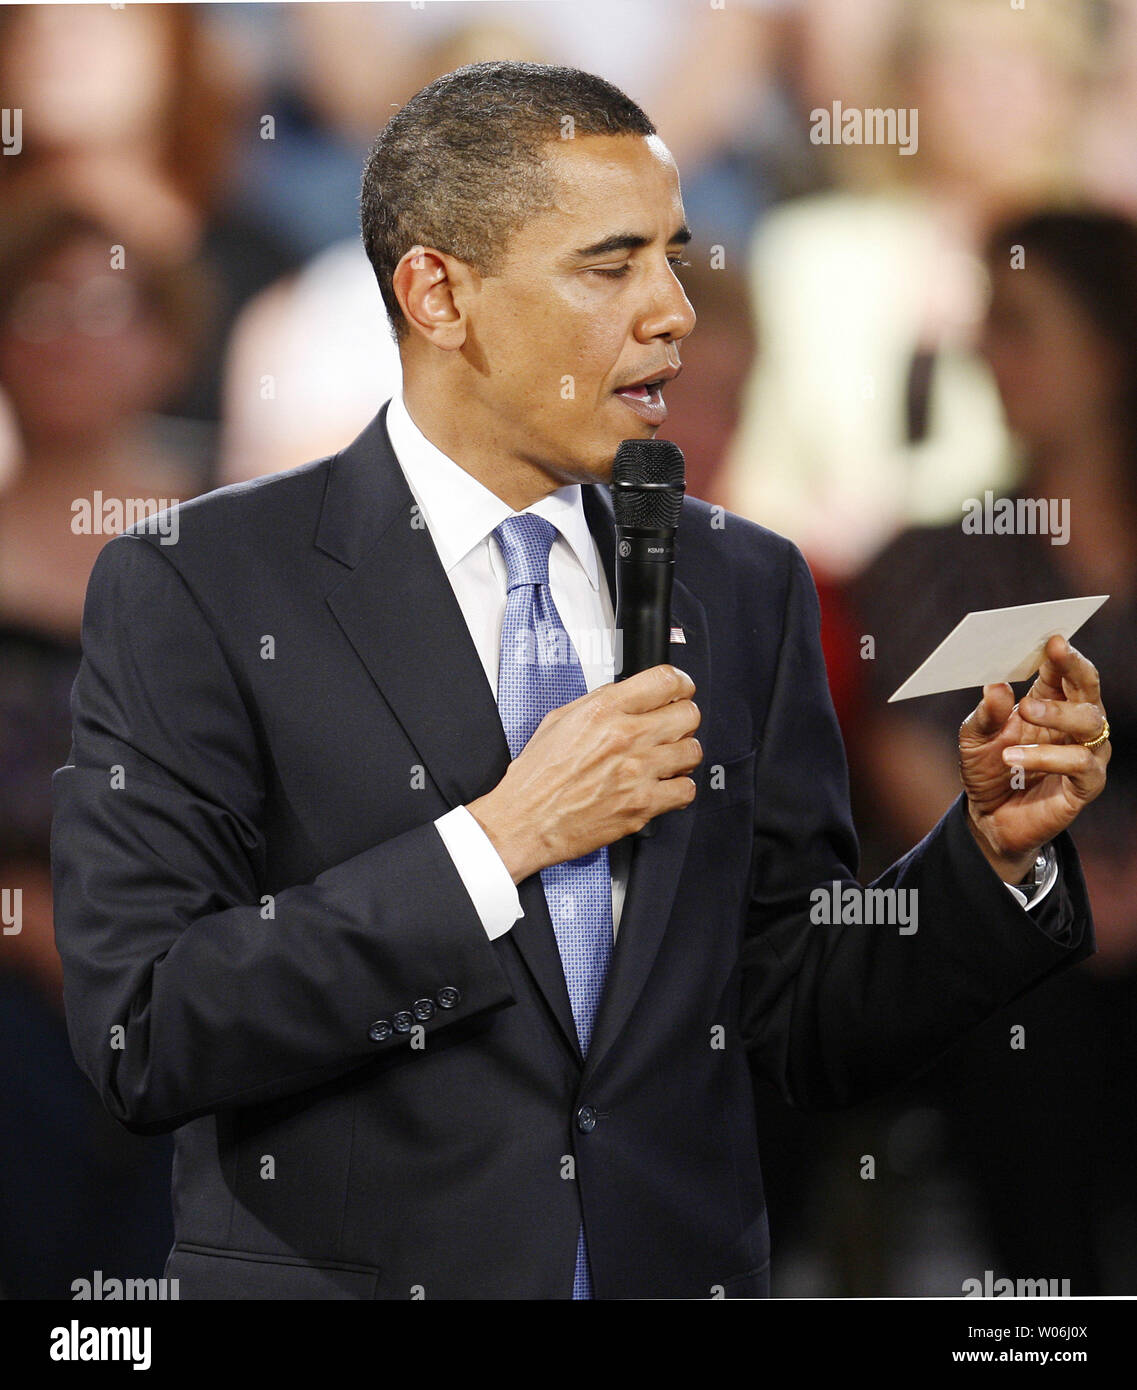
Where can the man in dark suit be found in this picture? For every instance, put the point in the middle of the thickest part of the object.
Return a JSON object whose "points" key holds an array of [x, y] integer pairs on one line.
{"points": [[313, 915]]}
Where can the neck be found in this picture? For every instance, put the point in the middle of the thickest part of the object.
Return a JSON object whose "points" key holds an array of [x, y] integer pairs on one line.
{"points": [[476, 443]]}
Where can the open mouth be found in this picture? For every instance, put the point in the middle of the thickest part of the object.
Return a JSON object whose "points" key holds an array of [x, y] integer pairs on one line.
{"points": [[646, 401], [645, 392]]}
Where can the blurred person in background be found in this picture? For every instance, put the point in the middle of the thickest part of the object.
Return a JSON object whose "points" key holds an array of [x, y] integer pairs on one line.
{"points": [[138, 108], [1047, 1134], [1108, 155], [304, 366], [867, 408], [334, 72], [87, 356]]}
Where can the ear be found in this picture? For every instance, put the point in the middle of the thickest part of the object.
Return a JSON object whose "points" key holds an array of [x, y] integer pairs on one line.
{"points": [[433, 290]]}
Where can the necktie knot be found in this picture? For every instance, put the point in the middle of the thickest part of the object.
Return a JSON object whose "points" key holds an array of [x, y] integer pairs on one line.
{"points": [[525, 541]]}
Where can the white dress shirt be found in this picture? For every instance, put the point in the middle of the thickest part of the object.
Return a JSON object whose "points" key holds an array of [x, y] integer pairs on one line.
{"points": [[461, 514]]}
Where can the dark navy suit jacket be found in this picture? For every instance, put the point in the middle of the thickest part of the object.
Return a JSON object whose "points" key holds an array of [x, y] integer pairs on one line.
{"points": [[269, 716]]}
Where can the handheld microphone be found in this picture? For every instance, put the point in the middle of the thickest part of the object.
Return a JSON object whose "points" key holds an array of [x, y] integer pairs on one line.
{"points": [[647, 494]]}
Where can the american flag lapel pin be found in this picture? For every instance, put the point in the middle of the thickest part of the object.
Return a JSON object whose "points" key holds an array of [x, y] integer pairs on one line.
{"points": [[678, 635]]}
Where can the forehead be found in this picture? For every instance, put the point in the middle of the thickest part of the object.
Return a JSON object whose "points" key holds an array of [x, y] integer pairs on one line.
{"points": [[601, 179]]}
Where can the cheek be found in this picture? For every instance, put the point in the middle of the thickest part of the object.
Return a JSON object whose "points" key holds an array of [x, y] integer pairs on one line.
{"points": [[601, 339], [572, 365], [590, 345], [555, 354]]}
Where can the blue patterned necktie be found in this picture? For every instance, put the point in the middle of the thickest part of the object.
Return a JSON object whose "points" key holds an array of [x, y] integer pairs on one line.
{"points": [[540, 672]]}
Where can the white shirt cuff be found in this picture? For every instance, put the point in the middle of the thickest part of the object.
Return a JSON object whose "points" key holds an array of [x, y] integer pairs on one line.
{"points": [[486, 879], [1049, 879]]}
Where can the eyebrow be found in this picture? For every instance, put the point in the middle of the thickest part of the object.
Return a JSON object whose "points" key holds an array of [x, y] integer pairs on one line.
{"points": [[630, 241]]}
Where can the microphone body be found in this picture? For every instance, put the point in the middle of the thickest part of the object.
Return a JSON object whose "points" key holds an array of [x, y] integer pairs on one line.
{"points": [[647, 494], [645, 569]]}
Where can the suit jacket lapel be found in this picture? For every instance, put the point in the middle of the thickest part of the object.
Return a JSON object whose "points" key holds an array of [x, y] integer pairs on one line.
{"points": [[400, 614], [398, 610]]}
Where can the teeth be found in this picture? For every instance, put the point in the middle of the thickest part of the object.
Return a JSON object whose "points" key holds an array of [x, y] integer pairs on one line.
{"points": [[646, 395]]}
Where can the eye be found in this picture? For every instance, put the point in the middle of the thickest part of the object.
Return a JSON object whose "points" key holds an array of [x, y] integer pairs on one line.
{"points": [[617, 272]]}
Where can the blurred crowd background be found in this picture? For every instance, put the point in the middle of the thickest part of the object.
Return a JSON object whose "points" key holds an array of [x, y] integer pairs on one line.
{"points": [[881, 336]]}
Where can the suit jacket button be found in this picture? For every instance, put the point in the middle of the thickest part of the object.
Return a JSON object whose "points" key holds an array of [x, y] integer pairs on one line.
{"points": [[402, 1021], [586, 1119], [423, 1009], [448, 996], [380, 1030]]}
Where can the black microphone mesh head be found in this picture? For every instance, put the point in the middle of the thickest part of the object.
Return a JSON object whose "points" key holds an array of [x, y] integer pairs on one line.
{"points": [[648, 483]]}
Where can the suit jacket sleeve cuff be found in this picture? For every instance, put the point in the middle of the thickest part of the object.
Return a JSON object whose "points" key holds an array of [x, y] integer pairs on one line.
{"points": [[1044, 905], [1030, 899], [1059, 909], [485, 877]]}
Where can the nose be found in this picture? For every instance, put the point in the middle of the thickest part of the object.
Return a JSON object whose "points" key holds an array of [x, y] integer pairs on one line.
{"points": [[667, 313]]}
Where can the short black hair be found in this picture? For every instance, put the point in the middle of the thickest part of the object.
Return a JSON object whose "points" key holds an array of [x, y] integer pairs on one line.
{"points": [[460, 166]]}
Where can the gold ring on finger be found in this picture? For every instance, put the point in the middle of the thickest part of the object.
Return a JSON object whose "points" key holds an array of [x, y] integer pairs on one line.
{"points": [[1101, 738]]}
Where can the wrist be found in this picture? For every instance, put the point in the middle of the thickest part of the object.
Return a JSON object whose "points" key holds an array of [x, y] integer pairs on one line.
{"points": [[512, 841], [1036, 875], [1011, 868]]}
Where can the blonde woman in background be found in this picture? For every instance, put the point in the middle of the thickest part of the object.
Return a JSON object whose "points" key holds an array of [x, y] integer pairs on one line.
{"points": [[867, 409]]}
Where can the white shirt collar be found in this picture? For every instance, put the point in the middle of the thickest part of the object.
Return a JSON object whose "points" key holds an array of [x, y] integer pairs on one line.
{"points": [[461, 512]]}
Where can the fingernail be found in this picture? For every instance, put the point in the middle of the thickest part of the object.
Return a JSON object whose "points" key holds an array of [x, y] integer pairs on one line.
{"points": [[1012, 755], [1033, 709]]}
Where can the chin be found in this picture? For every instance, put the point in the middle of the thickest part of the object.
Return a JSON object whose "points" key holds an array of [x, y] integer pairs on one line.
{"points": [[598, 467]]}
